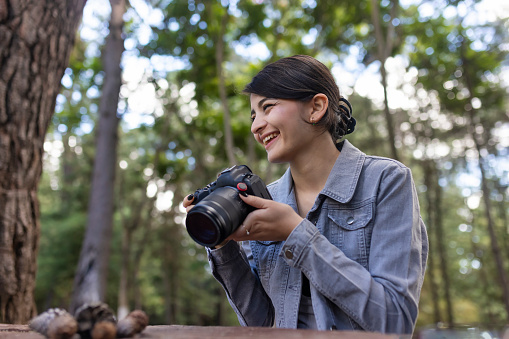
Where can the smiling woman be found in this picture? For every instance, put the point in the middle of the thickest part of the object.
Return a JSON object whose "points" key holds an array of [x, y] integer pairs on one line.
{"points": [[341, 245]]}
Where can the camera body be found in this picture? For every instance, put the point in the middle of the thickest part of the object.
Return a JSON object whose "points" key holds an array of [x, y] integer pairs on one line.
{"points": [[238, 176], [219, 211]]}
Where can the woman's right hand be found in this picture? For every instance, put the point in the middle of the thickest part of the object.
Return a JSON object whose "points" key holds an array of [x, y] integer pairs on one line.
{"points": [[188, 202]]}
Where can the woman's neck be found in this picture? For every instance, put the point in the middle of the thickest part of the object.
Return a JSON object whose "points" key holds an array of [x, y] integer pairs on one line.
{"points": [[311, 170]]}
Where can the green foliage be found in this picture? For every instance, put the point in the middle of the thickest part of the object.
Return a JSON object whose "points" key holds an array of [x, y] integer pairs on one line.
{"points": [[60, 245]]}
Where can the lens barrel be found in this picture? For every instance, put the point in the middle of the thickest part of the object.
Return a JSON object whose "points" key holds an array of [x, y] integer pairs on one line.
{"points": [[217, 216]]}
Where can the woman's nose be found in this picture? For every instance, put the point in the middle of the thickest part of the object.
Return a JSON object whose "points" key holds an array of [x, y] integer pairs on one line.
{"points": [[258, 124]]}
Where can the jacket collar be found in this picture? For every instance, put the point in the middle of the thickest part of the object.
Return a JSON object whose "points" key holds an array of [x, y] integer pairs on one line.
{"points": [[345, 174], [342, 180]]}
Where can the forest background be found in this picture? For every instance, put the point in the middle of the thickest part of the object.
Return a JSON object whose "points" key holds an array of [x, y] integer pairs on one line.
{"points": [[429, 84]]}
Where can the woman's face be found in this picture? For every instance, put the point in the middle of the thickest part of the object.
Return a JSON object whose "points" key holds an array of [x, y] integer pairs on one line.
{"points": [[281, 126]]}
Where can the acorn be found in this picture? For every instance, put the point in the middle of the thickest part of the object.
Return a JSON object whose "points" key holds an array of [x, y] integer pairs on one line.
{"points": [[134, 323], [96, 321], [55, 323]]}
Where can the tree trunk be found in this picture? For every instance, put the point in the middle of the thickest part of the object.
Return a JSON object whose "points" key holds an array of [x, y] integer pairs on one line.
{"points": [[171, 262], [90, 279], [36, 38], [502, 215], [123, 300], [384, 49], [484, 303], [430, 208], [66, 159], [228, 135], [438, 222]]}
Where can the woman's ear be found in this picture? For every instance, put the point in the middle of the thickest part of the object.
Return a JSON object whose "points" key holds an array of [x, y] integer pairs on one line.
{"points": [[319, 104]]}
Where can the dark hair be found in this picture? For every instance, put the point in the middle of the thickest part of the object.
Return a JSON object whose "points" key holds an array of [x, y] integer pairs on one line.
{"points": [[301, 77]]}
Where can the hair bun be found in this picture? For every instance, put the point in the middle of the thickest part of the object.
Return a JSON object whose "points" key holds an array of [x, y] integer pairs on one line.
{"points": [[350, 126], [347, 121], [345, 106]]}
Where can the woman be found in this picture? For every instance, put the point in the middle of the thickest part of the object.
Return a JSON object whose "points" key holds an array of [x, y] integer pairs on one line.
{"points": [[342, 245]]}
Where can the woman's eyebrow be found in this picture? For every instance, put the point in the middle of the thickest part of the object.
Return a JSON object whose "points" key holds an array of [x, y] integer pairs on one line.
{"points": [[260, 104]]}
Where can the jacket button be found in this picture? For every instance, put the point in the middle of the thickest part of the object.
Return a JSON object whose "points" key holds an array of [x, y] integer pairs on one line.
{"points": [[289, 254], [333, 327]]}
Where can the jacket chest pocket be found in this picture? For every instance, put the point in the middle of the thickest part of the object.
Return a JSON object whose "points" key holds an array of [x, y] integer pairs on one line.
{"points": [[351, 228]]}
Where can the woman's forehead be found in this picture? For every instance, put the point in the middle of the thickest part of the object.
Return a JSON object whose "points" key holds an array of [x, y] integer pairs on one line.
{"points": [[254, 98], [258, 100]]}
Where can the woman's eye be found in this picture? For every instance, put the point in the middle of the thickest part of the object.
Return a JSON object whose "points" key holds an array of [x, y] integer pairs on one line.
{"points": [[267, 106], [253, 117]]}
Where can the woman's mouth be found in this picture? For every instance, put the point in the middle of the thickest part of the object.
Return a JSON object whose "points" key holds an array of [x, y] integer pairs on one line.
{"points": [[266, 141]]}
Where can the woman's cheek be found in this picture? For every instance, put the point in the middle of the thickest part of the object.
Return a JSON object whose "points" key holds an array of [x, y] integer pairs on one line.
{"points": [[257, 138]]}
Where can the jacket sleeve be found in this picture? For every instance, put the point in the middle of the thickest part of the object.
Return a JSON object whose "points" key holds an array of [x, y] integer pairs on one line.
{"points": [[384, 297], [231, 267]]}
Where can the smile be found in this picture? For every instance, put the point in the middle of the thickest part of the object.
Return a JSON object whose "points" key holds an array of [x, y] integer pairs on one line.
{"points": [[269, 137]]}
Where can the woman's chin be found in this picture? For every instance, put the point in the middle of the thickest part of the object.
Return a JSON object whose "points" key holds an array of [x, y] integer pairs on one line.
{"points": [[275, 159]]}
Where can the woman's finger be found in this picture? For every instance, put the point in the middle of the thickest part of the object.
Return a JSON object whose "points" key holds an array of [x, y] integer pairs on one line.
{"points": [[188, 200]]}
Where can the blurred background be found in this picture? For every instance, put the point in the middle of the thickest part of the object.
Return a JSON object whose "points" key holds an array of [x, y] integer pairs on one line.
{"points": [[428, 81]]}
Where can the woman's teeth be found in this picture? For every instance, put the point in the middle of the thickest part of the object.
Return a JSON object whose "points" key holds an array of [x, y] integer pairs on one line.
{"points": [[269, 137]]}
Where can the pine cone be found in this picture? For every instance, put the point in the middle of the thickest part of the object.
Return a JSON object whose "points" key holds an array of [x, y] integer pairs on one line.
{"points": [[104, 330], [55, 323], [90, 315], [133, 323]]}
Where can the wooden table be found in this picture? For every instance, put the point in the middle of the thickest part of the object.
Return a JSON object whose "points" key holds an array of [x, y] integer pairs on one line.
{"points": [[187, 332]]}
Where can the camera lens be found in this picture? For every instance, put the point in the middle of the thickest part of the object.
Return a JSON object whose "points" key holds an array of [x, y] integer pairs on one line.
{"points": [[202, 227], [216, 217]]}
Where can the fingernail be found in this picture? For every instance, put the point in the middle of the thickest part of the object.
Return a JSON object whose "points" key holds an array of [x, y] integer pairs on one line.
{"points": [[190, 197], [244, 194]]}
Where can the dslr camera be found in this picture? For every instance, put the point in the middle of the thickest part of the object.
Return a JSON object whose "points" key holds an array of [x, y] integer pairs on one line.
{"points": [[219, 210]]}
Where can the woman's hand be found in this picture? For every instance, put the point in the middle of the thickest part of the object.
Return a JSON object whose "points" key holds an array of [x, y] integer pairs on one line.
{"points": [[188, 202], [271, 221]]}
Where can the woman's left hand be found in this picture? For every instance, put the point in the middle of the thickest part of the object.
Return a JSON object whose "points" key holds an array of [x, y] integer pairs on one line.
{"points": [[271, 221]]}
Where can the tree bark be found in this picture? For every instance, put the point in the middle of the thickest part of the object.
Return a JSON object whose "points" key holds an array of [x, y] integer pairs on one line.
{"points": [[502, 215], [438, 223], [428, 166], [36, 38], [123, 300], [90, 280], [485, 304], [384, 48], [228, 134]]}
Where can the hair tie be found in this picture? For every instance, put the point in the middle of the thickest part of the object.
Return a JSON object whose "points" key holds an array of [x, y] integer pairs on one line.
{"points": [[350, 126], [347, 111], [347, 103]]}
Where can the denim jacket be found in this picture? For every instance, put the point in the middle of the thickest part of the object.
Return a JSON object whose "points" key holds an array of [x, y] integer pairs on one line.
{"points": [[363, 246]]}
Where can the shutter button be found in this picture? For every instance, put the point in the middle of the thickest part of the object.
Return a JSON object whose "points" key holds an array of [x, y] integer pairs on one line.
{"points": [[289, 254], [241, 186]]}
